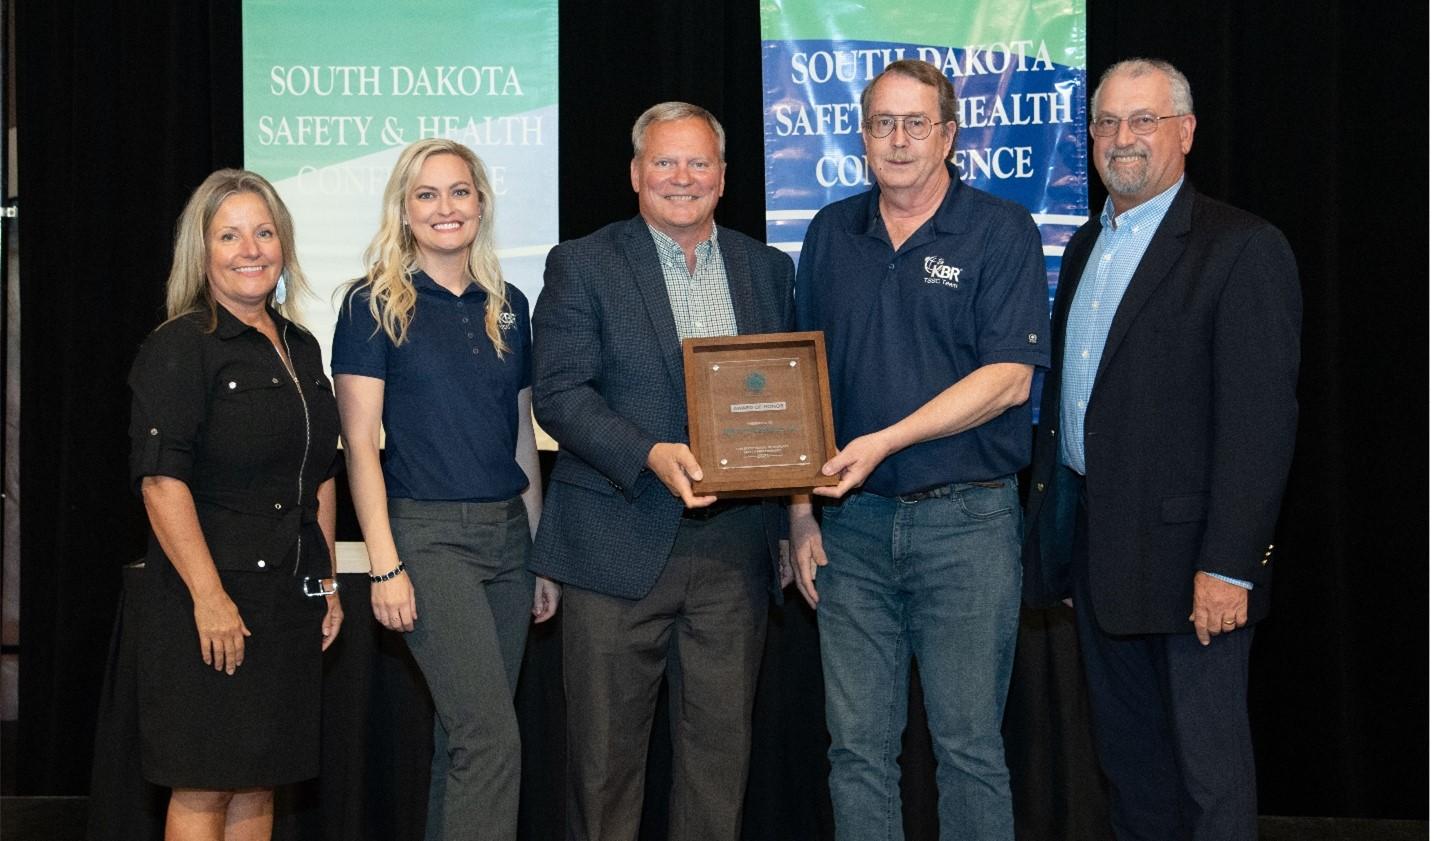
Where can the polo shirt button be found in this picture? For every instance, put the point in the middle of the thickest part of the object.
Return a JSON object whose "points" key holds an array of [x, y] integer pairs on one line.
{"points": [[232, 384], [891, 266], [459, 305], [275, 381], [465, 319], [261, 563], [475, 351], [1041, 487], [470, 335], [277, 505], [154, 432]]}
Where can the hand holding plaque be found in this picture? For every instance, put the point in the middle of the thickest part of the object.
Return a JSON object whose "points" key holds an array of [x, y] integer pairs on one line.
{"points": [[759, 409]]}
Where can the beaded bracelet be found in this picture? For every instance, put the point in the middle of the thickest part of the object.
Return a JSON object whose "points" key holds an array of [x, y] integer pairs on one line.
{"points": [[378, 579]]}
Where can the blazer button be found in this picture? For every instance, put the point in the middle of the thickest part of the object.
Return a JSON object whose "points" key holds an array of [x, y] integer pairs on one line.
{"points": [[261, 563], [277, 505]]}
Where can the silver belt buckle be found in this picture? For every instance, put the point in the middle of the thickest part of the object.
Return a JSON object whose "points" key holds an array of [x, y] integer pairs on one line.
{"points": [[321, 587]]}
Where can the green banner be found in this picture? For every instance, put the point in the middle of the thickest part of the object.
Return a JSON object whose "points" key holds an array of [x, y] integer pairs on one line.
{"points": [[333, 90]]}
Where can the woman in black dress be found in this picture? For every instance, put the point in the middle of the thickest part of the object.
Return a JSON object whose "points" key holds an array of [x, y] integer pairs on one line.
{"points": [[234, 437]]}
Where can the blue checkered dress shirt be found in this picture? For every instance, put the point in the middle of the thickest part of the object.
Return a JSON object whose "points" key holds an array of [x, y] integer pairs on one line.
{"points": [[1105, 278], [701, 302]]}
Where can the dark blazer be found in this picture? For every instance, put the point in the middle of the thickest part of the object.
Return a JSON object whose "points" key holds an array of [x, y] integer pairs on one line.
{"points": [[609, 384], [1190, 432]]}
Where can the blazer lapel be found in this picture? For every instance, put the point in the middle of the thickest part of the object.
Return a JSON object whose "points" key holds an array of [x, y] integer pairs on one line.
{"points": [[742, 290], [1069, 277], [639, 247], [1163, 252]]}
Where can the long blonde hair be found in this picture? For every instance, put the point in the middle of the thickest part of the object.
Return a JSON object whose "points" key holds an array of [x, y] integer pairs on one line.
{"points": [[187, 288], [393, 255]]}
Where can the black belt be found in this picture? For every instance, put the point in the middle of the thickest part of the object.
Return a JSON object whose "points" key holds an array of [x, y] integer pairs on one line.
{"points": [[949, 488], [713, 511]]}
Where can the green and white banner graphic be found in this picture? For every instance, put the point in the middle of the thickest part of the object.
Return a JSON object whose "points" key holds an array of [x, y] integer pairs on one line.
{"points": [[333, 90]]}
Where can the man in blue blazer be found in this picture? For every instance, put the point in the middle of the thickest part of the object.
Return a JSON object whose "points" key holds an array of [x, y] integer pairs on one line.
{"points": [[1166, 435], [657, 581]]}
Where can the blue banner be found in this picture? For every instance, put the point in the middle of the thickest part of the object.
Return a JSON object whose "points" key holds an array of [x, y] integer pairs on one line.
{"points": [[1019, 72]]}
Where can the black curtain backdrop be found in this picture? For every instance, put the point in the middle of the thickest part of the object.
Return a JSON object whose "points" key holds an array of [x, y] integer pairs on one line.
{"points": [[1311, 114]]}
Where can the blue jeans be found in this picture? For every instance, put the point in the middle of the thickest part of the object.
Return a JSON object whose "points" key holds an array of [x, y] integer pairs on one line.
{"points": [[938, 576]]}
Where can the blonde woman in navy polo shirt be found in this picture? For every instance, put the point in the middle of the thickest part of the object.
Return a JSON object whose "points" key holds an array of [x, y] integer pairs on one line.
{"points": [[433, 347]]}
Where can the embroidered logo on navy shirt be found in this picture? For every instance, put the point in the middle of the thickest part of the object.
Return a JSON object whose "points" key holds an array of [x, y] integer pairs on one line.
{"points": [[506, 320], [937, 271]]}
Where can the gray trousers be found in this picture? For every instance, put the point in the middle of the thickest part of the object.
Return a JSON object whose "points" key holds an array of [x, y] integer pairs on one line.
{"points": [[466, 561], [702, 627]]}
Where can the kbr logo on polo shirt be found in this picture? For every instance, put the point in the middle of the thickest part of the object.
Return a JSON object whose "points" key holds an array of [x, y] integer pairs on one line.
{"points": [[937, 271], [506, 320]]}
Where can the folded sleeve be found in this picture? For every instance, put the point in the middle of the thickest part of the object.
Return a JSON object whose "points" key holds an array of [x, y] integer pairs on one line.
{"points": [[168, 402]]}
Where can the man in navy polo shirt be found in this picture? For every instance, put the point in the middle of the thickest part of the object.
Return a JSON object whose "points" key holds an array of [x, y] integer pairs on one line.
{"points": [[933, 299]]}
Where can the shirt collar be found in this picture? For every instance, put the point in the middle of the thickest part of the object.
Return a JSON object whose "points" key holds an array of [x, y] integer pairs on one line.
{"points": [[950, 216], [228, 326], [665, 244], [423, 283], [1149, 212]]}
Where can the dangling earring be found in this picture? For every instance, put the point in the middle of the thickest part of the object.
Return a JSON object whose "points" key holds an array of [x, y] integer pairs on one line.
{"points": [[280, 294]]}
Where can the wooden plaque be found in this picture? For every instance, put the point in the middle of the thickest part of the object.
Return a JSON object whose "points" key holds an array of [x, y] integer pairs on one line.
{"points": [[759, 408]]}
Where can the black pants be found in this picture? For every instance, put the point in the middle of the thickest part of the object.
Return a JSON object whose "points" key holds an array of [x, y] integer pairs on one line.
{"points": [[1171, 721], [702, 627]]}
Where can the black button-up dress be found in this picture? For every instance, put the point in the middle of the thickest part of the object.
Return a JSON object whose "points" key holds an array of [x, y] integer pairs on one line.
{"points": [[219, 411]]}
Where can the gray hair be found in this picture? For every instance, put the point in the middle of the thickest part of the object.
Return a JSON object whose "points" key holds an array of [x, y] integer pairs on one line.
{"points": [[1134, 67], [668, 112]]}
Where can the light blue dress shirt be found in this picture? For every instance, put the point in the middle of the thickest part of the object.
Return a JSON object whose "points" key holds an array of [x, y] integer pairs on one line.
{"points": [[1110, 267]]}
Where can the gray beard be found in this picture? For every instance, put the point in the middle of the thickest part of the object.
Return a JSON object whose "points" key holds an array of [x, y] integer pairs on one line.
{"points": [[1124, 184]]}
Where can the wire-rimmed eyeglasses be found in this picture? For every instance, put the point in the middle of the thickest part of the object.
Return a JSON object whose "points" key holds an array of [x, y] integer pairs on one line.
{"points": [[918, 126], [1138, 124]]}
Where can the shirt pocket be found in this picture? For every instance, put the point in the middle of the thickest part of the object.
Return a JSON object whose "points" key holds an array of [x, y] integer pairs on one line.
{"points": [[248, 405]]}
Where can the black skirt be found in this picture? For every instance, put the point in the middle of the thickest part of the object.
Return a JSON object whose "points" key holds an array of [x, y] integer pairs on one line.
{"points": [[201, 728]]}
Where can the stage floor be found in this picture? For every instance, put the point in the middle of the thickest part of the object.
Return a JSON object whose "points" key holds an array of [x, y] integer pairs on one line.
{"points": [[64, 819]]}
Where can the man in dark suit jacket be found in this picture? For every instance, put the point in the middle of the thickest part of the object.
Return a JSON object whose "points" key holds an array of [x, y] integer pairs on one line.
{"points": [[657, 581], [1166, 435]]}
